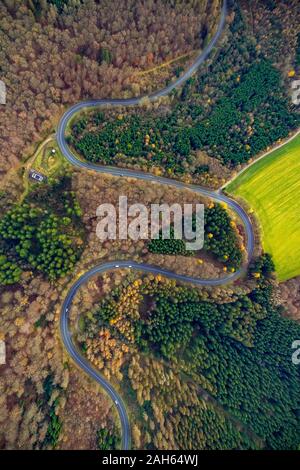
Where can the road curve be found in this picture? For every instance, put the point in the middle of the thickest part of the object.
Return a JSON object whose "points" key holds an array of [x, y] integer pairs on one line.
{"points": [[215, 195]]}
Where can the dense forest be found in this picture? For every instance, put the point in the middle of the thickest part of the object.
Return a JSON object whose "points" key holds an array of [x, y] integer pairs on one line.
{"points": [[252, 115], [108, 440], [249, 112], [53, 54], [175, 345], [220, 239], [43, 233], [198, 368]]}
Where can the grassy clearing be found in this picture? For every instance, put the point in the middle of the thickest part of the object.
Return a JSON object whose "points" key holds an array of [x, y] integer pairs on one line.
{"points": [[47, 162], [44, 161], [271, 187]]}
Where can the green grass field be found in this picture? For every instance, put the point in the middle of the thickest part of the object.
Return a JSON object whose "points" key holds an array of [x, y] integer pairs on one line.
{"points": [[271, 187]]}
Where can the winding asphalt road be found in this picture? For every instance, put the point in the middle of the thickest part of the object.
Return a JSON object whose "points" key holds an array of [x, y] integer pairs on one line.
{"points": [[215, 195]]}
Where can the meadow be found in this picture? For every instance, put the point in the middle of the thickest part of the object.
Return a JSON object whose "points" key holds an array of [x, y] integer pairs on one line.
{"points": [[271, 188]]}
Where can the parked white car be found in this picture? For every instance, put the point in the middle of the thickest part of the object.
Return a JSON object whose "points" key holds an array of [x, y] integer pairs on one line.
{"points": [[37, 176]]}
